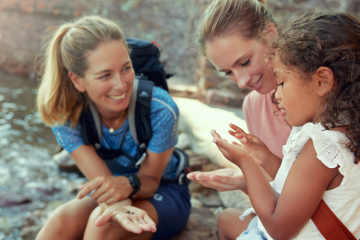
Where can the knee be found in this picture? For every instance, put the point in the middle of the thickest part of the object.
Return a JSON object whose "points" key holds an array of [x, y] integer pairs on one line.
{"points": [[224, 217], [94, 215], [61, 218]]}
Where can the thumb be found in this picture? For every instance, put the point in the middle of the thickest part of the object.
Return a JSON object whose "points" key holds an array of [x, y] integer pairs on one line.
{"points": [[104, 218]]}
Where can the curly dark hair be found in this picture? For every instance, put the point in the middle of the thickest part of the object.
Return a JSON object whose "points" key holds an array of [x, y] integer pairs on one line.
{"points": [[332, 40]]}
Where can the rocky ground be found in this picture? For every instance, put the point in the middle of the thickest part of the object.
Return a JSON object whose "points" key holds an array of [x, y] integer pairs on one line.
{"points": [[32, 185]]}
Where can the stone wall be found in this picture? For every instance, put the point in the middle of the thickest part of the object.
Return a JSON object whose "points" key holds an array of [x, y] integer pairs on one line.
{"points": [[171, 23]]}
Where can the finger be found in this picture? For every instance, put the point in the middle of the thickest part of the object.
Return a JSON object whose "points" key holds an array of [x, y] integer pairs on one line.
{"points": [[236, 128], [115, 198], [215, 134], [107, 195], [149, 221], [103, 219], [218, 143], [223, 145], [91, 186], [99, 192], [123, 220]]}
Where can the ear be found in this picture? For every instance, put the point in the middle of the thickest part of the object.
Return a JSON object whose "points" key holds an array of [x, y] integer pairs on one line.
{"points": [[77, 81], [324, 80]]}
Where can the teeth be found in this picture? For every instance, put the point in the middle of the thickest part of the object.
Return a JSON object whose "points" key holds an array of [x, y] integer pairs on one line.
{"points": [[255, 84], [117, 97]]}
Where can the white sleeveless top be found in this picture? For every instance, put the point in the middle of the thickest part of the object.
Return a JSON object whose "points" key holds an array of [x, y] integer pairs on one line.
{"points": [[344, 200]]}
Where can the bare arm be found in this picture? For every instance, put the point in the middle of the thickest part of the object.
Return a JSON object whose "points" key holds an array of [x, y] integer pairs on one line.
{"points": [[284, 216], [90, 164], [150, 172], [111, 189]]}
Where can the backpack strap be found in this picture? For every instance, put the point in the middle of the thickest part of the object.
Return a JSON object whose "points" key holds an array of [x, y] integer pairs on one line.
{"points": [[139, 115], [329, 225], [88, 119]]}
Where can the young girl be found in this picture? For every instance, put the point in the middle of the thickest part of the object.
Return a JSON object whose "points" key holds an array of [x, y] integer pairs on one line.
{"points": [[317, 67]]}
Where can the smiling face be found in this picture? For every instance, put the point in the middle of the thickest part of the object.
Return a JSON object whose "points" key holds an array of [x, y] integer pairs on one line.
{"points": [[242, 61], [298, 99], [108, 81]]}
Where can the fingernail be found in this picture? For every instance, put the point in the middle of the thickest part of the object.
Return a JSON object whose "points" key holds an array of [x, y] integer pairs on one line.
{"points": [[244, 139], [199, 179], [214, 140]]}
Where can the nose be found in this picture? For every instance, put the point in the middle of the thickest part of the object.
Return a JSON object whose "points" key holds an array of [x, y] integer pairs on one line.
{"points": [[242, 78], [277, 95], [119, 84]]}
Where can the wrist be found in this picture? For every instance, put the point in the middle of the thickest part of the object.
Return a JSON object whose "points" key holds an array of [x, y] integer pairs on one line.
{"points": [[135, 183]]}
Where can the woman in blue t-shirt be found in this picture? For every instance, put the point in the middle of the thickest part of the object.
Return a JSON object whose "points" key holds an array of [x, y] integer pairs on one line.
{"points": [[87, 63]]}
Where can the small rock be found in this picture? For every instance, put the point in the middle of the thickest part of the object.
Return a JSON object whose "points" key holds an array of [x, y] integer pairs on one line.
{"points": [[13, 199], [43, 188], [195, 203], [211, 201]]}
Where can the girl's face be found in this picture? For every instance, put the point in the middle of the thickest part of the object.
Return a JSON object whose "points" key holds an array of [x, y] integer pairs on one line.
{"points": [[298, 100], [109, 79], [242, 61]]}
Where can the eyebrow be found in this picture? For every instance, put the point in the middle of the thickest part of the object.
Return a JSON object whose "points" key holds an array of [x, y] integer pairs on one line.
{"points": [[108, 70], [235, 63]]}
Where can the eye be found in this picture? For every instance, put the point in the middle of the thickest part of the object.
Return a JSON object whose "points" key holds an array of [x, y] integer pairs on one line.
{"points": [[281, 84], [246, 63], [127, 69], [228, 73], [105, 76]]}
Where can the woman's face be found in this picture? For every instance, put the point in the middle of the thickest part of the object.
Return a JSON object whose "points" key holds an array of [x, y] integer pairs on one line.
{"points": [[109, 79], [242, 61]]}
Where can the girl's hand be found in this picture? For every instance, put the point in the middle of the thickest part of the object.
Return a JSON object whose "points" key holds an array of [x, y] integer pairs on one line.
{"points": [[225, 179], [108, 190], [233, 152], [130, 218], [251, 144]]}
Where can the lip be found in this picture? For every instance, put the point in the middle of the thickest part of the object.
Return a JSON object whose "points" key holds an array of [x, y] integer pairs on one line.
{"points": [[282, 111], [258, 82]]}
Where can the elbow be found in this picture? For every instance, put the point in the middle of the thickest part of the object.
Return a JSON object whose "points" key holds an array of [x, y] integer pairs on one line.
{"points": [[281, 234]]}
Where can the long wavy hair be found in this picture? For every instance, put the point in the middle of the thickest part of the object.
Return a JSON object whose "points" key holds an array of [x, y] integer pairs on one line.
{"points": [[66, 50], [332, 40]]}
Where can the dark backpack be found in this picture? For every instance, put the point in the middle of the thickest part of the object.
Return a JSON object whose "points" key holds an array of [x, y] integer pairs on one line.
{"points": [[145, 57]]}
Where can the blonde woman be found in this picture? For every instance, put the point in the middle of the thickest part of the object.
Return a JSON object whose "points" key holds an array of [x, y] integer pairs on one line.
{"points": [[228, 37], [87, 63]]}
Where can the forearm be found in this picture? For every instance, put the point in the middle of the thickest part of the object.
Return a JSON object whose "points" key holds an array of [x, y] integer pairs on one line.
{"points": [[90, 164], [271, 165], [122, 203], [148, 187], [263, 197]]}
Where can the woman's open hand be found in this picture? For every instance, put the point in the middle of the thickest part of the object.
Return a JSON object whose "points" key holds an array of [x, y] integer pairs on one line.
{"points": [[130, 218], [107, 190], [225, 179]]}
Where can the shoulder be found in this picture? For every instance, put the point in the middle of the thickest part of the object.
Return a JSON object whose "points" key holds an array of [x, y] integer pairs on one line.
{"points": [[163, 102]]}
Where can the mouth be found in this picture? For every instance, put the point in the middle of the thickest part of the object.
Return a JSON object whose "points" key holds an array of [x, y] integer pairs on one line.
{"points": [[118, 97], [255, 85], [282, 111]]}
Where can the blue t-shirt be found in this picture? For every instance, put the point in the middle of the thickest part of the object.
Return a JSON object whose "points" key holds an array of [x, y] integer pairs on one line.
{"points": [[164, 117]]}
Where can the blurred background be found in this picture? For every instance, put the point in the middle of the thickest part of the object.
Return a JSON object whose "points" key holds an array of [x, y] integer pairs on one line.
{"points": [[31, 184]]}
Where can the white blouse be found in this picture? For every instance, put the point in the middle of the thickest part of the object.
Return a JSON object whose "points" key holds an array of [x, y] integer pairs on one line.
{"points": [[344, 200]]}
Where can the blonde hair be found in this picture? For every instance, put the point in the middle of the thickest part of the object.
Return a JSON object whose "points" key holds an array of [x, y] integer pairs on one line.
{"points": [[224, 17], [66, 51]]}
